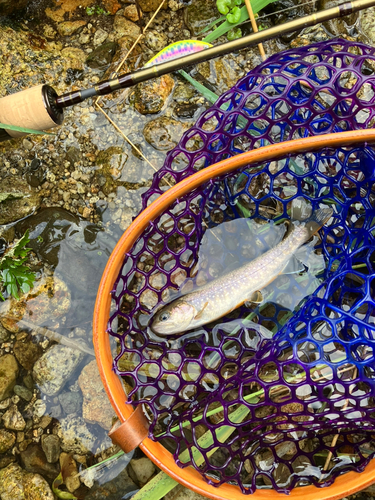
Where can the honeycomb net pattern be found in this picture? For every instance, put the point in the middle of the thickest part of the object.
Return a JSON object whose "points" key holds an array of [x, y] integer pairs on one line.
{"points": [[279, 395]]}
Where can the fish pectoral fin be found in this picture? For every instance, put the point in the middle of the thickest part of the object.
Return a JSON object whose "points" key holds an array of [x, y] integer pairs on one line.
{"points": [[293, 266], [200, 314], [255, 298]]}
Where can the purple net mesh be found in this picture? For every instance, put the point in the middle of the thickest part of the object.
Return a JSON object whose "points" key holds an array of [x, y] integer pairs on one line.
{"points": [[280, 401]]}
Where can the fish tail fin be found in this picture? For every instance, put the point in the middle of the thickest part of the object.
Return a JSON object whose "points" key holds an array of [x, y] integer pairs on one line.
{"points": [[301, 211]]}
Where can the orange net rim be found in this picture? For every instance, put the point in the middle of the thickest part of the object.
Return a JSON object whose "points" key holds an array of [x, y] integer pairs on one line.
{"points": [[344, 485]]}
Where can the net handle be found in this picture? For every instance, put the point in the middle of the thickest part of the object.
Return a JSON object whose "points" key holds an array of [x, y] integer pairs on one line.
{"points": [[344, 485]]}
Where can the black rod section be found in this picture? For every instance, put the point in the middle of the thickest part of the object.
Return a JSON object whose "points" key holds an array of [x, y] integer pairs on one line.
{"points": [[130, 79]]}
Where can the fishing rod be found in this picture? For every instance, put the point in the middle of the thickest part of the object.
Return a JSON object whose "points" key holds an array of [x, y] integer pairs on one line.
{"points": [[40, 108]]}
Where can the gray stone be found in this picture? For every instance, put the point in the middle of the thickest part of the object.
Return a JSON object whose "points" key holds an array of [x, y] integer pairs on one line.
{"points": [[100, 37], [7, 440], [23, 393], [23, 199], [67, 28], [55, 367], [8, 375], [71, 402], [13, 420], [51, 447], [367, 20], [119, 487], [75, 436], [143, 469], [200, 14]]}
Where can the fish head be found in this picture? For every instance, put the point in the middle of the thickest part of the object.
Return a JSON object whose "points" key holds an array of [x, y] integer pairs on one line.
{"points": [[173, 318]]}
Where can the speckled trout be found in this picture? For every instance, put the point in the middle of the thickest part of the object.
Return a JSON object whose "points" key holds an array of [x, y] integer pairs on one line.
{"points": [[224, 294]]}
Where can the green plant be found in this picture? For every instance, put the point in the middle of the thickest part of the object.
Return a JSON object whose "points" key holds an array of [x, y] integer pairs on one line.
{"points": [[95, 9], [14, 273], [230, 9]]}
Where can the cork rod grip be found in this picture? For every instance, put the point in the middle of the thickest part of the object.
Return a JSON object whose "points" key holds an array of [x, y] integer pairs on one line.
{"points": [[33, 108]]}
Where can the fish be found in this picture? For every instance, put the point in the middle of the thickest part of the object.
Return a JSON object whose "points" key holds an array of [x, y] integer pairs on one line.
{"points": [[222, 295]]}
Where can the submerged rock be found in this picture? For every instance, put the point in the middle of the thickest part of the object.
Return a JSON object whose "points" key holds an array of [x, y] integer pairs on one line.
{"points": [[75, 436], [151, 96], [96, 406], [7, 440], [51, 447], [119, 487], [8, 375], [55, 367], [164, 133], [143, 468], [9, 6], [71, 402], [16, 483], [27, 353], [102, 56], [200, 14], [21, 199], [34, 460]]}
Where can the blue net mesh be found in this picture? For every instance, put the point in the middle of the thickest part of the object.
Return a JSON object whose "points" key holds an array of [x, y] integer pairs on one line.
{"points": [[287, 399]]}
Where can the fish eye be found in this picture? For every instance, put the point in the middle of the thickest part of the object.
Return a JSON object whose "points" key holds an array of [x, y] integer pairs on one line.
{"points": [[164, 316]]}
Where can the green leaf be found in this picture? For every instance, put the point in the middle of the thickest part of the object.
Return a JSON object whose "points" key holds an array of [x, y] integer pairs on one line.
{"points": [[218, 20], [10, 196], [24, 130], [256, 5], [234, 16], [64, 495]]}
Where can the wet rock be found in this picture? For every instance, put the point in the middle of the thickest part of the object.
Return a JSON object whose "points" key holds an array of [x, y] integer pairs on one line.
{"points": [[71, 402], [102, 56], [119, 487], [34, 460], [7, 440], [76, 57], [21, 201], [51, 447], [55, 367], [67, 462], [111, 6], [11, 482], [155, 41], [367, 23], [27, 353], [23, 392], [337, 26], [150, 5], [6, 460], [8, 375], [96, 406], [143, 468], [9, 6], [4, 334], [36, 488], [164, 133], [186, 110], [100, 37], [151, 96], [124, 27], [222, 73], [75, 436], [13, 420], [67, 28], [131, 13], [47, 301], [200, 14]]}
